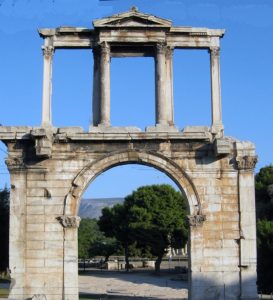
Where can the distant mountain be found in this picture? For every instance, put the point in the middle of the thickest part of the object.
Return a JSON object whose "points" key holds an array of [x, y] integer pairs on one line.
{"points": [[91, 208]]}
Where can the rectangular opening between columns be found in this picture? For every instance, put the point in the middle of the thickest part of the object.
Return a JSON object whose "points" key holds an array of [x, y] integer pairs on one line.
{"points": [[192, 96], [72, 88], [132, 92]]}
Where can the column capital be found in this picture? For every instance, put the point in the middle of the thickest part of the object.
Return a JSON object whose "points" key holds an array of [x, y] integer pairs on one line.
{"points": [[246, 162], [104, 47], [161, 48], [214, 51], [48, 51], [196, 220], [169, 52], [69, 221]]}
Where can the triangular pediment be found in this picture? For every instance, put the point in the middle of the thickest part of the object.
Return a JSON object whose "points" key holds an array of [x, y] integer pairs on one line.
{"points": [[132, 18]]}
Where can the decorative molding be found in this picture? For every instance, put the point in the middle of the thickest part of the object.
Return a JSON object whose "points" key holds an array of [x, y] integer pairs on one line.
{"points": [[246, 162], [15, 163], [196, 220], [48, 51], [69, 221], [214, 51]]}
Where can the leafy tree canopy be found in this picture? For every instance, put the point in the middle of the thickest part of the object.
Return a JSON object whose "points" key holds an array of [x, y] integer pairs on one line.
{"points": [[264, 193], [87, 234], [265, 252], [4, 229], [157, 218], [151, 219]]}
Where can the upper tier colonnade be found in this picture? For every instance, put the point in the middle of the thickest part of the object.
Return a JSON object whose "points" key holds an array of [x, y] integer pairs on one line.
{"points": [[134, 34]]}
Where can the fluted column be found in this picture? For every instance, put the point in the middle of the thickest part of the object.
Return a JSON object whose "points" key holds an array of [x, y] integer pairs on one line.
{"points": [[96, 87], [47, 85], [217, 125], [169, 86], [161, 103], [105, 84]]}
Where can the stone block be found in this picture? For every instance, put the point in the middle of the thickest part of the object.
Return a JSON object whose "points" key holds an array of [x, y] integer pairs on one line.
{"points": [[230, 207], [222, 146], [35, 236], [35, 245], [53, 227], [231, 234], [35, 262], [35, 219], [230, 225], [36, 227], [30, 253], [53, 210], [54, 236], [55, 263], [35, 210]]}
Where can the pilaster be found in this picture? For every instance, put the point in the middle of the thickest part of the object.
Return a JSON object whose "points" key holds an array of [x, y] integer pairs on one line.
{"points": [[248, 252]]}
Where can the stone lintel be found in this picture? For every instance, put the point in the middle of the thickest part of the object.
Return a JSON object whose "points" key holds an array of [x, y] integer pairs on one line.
{"points": [[110, 129]]}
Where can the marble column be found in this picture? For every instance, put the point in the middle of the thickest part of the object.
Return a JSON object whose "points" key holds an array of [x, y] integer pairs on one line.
{"points": [[217, 125], [169, 86], [161, 103], [105, 84], [96, 87], [47, 85]]}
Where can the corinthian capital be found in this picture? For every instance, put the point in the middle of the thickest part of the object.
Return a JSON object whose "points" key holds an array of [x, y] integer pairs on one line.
{"points": [[105, 48], [214, 51], [196, 220], [161, 48], [246, 162], [48, 51], [169, 52], [69, 221]]}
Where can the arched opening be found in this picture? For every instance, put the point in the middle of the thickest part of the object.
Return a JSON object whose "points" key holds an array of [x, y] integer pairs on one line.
{"points": [[99, 277], [94, 168]]}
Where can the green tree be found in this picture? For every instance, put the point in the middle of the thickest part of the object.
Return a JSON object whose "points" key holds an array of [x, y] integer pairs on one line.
{"points": [[264, 212], [264, 193], [104, 246], [150, 220], [4, 229], [92, 242], [264, 257], [88, 233], [158, 219], [114, 222]]}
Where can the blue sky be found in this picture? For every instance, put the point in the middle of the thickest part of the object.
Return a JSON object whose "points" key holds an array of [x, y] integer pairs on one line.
{"points": [[246, 74]]}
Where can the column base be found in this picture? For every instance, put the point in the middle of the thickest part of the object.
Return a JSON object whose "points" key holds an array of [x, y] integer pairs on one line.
{"points": [[217, 130], [161, 128], [110, 129]]}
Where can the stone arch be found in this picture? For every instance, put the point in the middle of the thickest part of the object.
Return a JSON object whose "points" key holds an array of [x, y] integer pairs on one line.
{"points": [[149, 158]]}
